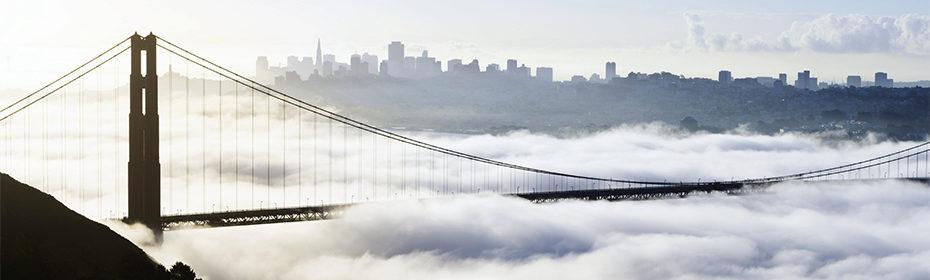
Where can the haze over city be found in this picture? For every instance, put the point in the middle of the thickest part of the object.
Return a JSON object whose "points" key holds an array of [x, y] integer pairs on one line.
{"points": [[831, 38], [483, 139]]}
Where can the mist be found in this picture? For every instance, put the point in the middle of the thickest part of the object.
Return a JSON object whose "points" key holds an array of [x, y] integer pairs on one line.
{"points": [[819, 230]]}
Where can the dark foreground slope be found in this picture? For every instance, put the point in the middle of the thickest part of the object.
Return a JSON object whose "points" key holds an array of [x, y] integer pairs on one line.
{"points": [[42, 239]]}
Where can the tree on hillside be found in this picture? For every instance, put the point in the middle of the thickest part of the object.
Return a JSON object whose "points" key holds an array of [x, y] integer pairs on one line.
{"points": [[181, 271]]}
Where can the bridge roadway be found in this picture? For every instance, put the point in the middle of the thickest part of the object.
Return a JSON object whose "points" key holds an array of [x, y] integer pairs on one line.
{"points": [[312, 213]]}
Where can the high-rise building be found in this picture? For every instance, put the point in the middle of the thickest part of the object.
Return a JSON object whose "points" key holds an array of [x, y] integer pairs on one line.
{"points": [[356, 66], [724, 76], [262, 73], [511, 65], [319, 54], [783, 78], [425, 65], [331, 58], [327, 68], [882, 80], [292, 62], [383, 68], [611, 71], [410, 64], [372, 61], [523, 71], [805, 81], [853, 81], [473, 67], [261, 66], [454, 65], [493, 68], [396, 58], [543, 73]]}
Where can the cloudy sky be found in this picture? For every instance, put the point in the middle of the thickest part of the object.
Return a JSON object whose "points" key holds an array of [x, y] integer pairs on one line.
{"points": [[42, 39]]}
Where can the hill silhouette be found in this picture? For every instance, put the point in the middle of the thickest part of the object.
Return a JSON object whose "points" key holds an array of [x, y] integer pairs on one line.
{"points": [[40, 238]]}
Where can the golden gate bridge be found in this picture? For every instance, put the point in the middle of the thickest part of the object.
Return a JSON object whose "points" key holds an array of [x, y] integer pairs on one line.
{"points": [[219, 149]]}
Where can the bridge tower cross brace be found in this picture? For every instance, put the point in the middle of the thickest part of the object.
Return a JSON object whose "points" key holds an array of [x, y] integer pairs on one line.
{"points": [[144, 167]]}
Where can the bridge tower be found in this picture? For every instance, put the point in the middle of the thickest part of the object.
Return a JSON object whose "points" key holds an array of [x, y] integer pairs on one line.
{"points": [[144, 167]]}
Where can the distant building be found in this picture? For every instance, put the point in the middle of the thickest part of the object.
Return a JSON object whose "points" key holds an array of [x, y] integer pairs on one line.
{"points": [[611, 71], [544, 74], [853, 81], [882, 80], [595, 78], [454, 65], [372, 61], [578, 79], [783, 78], [356, 66], [261, 67], [766, 81], [805, 81], [425, 65], [724, 76], [494, 68], [396, 58], [511, 65], [383, 68], [473, 67], [327, 68], [319, 55], [523, 71]]}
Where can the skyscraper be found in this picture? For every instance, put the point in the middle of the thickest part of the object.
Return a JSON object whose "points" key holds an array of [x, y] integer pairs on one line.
{"points": [[356, 66], [724, 76], [454, 65], [319, 55], [611, 71], [881, 80], [805, 81], [372, 61], [511, 65], [396, 58], [383, 68], [853, 81], [544, 74]]}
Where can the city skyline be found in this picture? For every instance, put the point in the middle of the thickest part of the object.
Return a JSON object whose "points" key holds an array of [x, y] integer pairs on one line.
{"points": [[831, 38], [424, 66]]}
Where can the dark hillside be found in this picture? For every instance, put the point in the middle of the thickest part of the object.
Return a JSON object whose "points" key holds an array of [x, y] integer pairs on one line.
{"points": [[40, 238]]}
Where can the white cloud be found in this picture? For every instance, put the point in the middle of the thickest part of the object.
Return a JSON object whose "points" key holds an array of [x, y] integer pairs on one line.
{"points": [[907, 34], [821, 231]]}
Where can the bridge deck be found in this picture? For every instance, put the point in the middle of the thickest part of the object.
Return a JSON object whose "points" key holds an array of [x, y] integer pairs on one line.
{"points": [[312, 213]]}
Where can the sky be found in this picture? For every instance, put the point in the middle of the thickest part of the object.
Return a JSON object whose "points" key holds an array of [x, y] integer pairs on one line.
{"points": [[42, 39]]}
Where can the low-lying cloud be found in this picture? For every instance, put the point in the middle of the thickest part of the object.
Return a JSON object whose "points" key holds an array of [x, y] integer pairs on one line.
{"points": [[853, 230]]}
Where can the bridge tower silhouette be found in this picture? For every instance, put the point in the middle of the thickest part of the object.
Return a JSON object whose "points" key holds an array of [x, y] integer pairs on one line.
{"points": [[144, 186]]}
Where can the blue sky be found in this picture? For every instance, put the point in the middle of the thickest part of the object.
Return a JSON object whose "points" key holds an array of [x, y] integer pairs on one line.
{"points": [[572, 37]]}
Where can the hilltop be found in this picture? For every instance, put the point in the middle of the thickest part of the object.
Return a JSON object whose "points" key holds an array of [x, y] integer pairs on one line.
{"points": [[40, 238]]}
